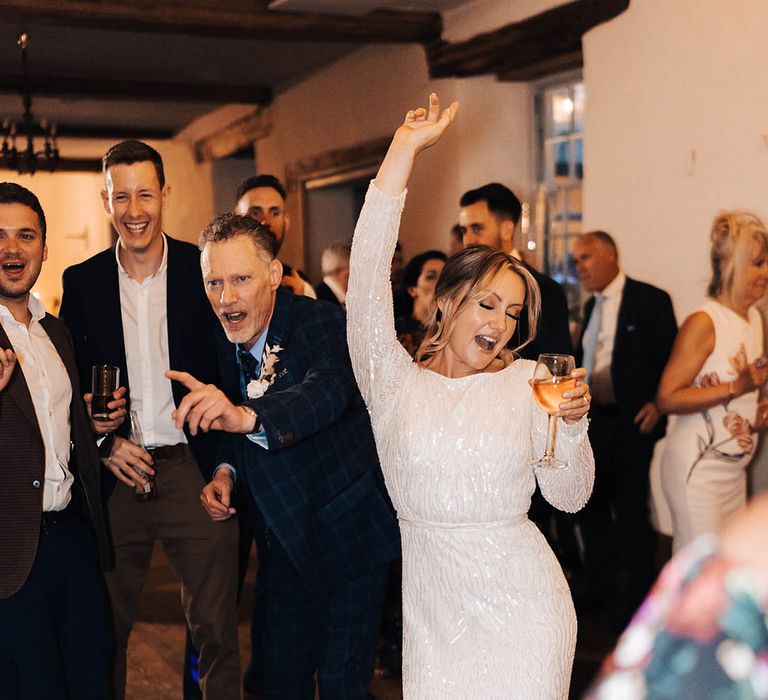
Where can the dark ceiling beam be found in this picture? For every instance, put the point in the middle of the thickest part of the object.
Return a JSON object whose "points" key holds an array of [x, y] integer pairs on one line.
{"points": [[234, 137], [230, 19], [117, 132], [534, 47], [543, 67], [68, 165], [123, 90]]}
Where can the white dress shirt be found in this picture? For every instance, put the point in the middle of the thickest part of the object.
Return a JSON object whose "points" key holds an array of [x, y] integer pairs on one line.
{"points": [[51, 391], [144, 311], [601, 385]]}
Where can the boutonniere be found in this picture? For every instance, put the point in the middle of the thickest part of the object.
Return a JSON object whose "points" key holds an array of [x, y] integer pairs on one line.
{"points": [[258, 387]]}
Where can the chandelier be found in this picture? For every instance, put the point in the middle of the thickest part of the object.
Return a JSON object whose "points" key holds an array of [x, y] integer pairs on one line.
{"points": [[24, 158]]}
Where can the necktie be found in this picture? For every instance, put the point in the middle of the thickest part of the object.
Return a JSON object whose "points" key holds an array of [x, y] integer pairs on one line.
{"points": [[249, 369], [589, 342]]}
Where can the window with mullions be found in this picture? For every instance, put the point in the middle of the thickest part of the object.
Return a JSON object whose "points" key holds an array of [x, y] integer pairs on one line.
{"points": [[560, 117]]}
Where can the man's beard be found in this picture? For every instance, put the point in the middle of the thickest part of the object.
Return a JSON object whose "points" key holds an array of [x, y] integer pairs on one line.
{"points": [[14, 294]]}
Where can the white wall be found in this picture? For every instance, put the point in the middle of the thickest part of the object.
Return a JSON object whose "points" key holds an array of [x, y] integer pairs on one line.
{"points": [[365, 96], [675, 132]]}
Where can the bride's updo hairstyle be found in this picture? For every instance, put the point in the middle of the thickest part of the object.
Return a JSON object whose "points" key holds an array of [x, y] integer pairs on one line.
{"points": [[466, 278], [732, 237]]}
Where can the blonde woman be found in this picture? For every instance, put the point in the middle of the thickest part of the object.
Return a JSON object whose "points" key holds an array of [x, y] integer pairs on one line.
{"points": [[486, 609], [711, 381]]}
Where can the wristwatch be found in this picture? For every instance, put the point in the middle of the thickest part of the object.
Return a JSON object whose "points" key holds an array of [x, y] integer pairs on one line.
{"points": [[251, 412]]}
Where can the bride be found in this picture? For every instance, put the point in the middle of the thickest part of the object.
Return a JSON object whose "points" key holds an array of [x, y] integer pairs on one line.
{"points": [[487, 611]]}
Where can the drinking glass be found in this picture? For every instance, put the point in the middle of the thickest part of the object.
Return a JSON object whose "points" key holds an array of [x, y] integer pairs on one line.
{"points": [[148, 490], [104, 382], [551, 378]]}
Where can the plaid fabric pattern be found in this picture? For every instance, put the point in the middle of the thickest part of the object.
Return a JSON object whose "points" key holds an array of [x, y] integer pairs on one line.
{"points": [[306, 629], [319, 487]]}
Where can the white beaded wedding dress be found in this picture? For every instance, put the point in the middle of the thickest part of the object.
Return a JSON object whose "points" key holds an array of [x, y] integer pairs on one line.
{"points": [[486, 609]]}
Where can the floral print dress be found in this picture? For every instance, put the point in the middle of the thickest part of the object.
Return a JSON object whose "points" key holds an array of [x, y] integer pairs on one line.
{"points": [[701, 634], [703, 468]]}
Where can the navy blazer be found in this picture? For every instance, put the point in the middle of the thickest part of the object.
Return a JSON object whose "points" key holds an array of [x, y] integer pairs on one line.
{"points": [[90, 307], [22, 465], [645, 332], [319, 487]]}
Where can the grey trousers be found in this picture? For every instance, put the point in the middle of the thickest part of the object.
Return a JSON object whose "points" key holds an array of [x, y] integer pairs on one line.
{"points": [[202, 554]]}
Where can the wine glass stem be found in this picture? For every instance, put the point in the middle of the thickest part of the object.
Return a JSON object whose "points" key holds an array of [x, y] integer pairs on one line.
{"points": [[551, 435]]}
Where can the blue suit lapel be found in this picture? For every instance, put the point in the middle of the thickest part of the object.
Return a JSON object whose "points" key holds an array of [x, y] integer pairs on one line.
{"points": [[279, 333], [280, 323]]}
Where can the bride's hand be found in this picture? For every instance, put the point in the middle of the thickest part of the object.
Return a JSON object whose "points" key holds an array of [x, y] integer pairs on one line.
{"points": [[423, 127], [576, 401]]}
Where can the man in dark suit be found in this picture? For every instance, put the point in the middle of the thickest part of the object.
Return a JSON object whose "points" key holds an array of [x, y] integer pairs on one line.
{"points": [[140, 306], [335, 265], [262, 197], [488, 216], [54, 617], [629, 329], [305, 450]]}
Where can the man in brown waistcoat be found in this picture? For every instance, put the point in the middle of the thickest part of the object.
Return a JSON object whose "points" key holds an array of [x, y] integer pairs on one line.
{"points": [[54, 619]]}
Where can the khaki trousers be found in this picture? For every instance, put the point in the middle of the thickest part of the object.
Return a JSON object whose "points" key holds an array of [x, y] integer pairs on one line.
{"points": [[202, 554]]}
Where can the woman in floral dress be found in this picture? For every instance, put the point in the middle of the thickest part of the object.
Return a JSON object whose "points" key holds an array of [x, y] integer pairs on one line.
{"points": [[711, 380]]}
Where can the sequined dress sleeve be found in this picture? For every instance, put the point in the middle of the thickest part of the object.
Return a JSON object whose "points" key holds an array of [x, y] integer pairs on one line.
{"points": [[567, 489], [379, 361]]}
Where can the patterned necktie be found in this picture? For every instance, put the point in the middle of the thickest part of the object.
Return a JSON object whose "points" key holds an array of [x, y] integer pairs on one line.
{"points": [[249, 370], [589, 342]]}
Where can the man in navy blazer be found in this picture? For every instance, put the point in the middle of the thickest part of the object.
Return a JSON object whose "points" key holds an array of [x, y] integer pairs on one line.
{"points": [[628, 333], [139, 305], [301, 440]]}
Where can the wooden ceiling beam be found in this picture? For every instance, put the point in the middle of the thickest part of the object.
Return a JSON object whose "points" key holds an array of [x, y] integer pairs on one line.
{"points": [[235, 136], [123, 90], [68, 165], [551, 38], [115, 133], [232, 19], [543, 67]]}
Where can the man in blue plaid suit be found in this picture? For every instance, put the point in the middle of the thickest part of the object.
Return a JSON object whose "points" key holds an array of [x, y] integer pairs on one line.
{"points": [[300, 438]]}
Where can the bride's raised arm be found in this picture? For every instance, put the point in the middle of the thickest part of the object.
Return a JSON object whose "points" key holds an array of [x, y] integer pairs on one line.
{"points": [[421, 129], [377, 358]]}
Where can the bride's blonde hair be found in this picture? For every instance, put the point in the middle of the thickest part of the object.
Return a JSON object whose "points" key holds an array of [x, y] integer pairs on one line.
{"points": [[466, 278]]}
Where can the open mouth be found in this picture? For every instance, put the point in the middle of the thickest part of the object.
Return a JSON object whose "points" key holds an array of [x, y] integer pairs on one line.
{"points": [[13, 268], [485, 342], [137, 228], [233, 319]]}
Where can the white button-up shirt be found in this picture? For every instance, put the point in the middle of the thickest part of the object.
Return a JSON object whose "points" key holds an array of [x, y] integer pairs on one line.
{"points": [[601, 384], [144, 311], [51, 391]]}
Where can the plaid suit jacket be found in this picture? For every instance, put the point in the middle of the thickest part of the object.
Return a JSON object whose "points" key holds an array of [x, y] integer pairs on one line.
{"points": [[319, 487]]}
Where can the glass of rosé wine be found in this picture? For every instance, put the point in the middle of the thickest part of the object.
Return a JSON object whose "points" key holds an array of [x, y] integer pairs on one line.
{"points": [[551, 378]]}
